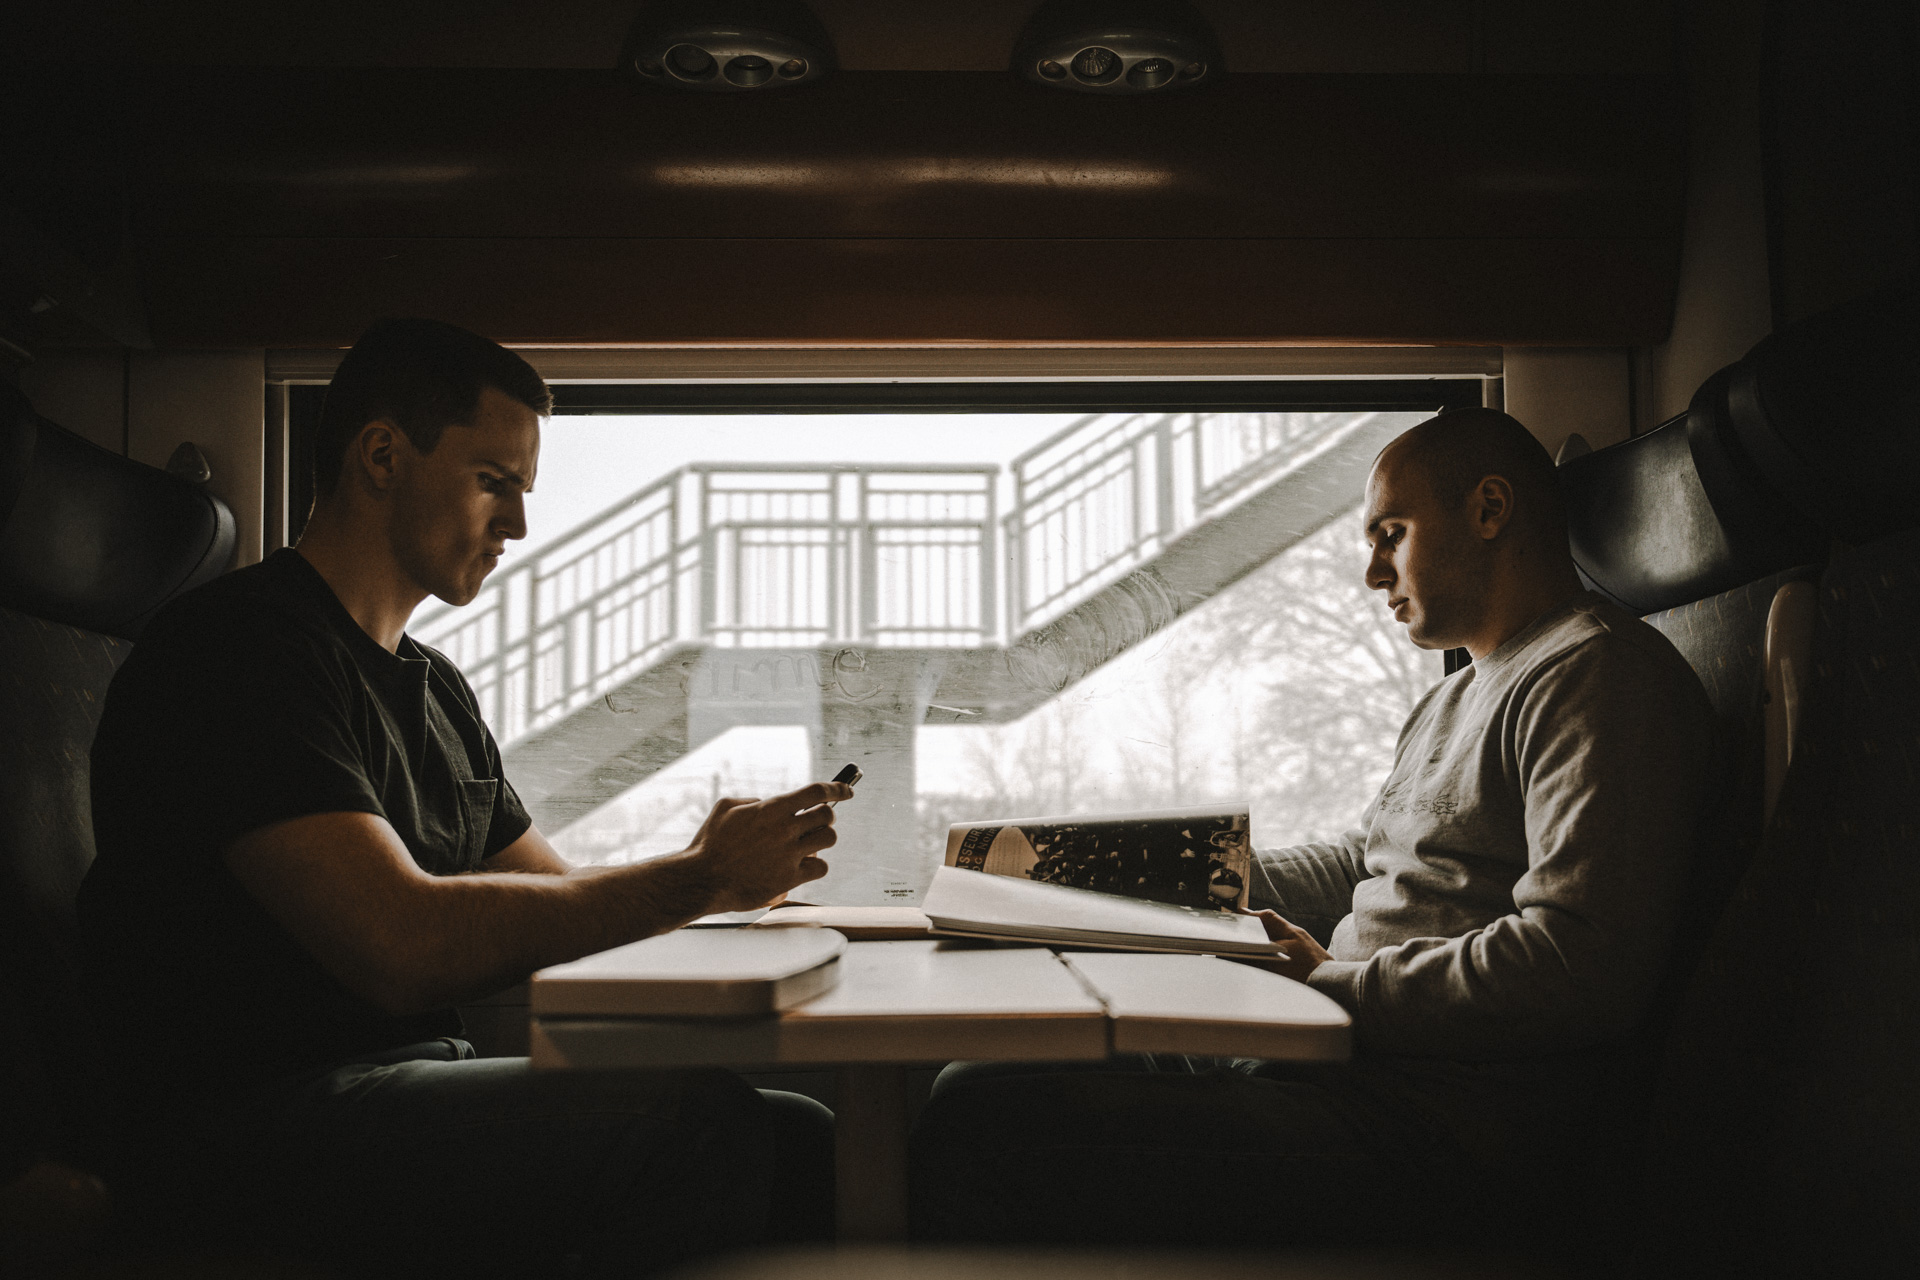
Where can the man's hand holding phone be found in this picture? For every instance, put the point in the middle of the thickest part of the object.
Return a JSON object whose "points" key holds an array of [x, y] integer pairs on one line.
{"points": [[754, 851]]}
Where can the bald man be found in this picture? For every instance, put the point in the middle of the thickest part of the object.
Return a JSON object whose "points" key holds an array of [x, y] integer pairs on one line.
{"points": [[1496, 924]]}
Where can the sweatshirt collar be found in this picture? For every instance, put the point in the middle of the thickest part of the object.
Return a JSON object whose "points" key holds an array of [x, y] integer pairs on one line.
{"points": [[1526, 635]]}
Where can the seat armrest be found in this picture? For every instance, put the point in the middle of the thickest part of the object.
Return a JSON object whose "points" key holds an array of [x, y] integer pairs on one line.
{"points": [[1789, 654]]}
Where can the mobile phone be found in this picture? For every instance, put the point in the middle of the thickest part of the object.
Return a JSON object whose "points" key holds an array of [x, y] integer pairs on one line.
{"points": [[850, 775]]}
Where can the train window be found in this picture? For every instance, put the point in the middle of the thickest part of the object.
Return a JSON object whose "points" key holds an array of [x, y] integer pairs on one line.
{"points": [[1000, 601]]}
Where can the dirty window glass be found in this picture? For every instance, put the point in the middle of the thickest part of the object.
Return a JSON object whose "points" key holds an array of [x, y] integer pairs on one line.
{"points": [[993, 614]]}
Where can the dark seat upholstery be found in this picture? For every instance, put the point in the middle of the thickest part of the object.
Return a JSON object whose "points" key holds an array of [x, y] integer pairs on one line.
{"points": [[90, 546], [1723, 638], [1696, 553], [1645, 533], [1776, 1131], [53, 679], [92, 539], [1785, 1134]]}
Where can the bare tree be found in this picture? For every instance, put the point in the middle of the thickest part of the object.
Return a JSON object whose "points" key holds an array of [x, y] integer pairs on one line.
{"points": [[1287, 690], [1171, 755], [1325, 680]]}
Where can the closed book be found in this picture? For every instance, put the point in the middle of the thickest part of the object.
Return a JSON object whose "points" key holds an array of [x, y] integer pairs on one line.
{"points": [[694, 973]]}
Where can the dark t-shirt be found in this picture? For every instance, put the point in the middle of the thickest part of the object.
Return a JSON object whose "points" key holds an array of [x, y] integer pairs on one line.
{"points": [[251, 701]]}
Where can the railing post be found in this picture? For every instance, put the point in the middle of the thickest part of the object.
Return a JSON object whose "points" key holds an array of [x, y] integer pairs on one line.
{"points": [[501, 693], [1163, 475], [989, 625], [1199, 468], [856, 600], [709, 567], [673, 555], [864, 561]]}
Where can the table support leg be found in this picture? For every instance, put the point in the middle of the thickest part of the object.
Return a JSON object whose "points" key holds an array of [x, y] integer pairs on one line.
{"points": [[870, 1154]]}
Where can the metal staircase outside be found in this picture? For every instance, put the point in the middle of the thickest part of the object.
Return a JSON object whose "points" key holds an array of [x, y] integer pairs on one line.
{"points": [[737, 557], [863, 601]]}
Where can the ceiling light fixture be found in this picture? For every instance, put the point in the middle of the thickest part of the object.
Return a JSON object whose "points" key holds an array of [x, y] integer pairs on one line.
{"points": [[1117, 47], [727, 46]]}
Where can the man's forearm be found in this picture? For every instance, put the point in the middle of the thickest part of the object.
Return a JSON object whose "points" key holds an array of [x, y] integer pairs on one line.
{"points": [[345, 887], [477, 933]]}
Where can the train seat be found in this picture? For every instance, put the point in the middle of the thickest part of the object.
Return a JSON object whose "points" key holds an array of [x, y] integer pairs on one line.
{"points": [[91, 545], [1782, 1133], [1649, 533], [1784, 1136]]}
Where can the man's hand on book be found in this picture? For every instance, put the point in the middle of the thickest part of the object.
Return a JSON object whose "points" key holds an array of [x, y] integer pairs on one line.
{"points": [[1303, 954]]}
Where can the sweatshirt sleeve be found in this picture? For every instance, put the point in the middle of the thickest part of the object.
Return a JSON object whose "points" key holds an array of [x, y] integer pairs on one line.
{"points": [[1310, 884], [1611, 748]]}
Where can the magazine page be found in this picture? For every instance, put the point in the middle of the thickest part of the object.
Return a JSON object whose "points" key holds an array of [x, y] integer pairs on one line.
{"points": [[1015, 908], [1187, 857]]}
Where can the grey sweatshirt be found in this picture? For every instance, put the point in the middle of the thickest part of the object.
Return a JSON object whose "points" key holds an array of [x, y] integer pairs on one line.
{"points": [[1514, 888]]}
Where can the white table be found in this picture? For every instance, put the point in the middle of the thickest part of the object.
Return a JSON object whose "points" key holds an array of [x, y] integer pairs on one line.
{"points": [[899, 1004]]}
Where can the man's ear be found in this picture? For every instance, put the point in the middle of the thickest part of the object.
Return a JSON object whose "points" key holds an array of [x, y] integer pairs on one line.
{"points": [[1492, 506], [375, 454]]}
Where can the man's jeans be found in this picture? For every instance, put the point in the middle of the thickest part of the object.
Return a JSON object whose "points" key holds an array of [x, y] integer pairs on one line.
{"points": [[1234, 1153], [429, 1158]]}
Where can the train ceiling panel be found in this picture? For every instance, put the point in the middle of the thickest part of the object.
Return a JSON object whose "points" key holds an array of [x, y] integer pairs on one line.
{"points": [[1588, 36], [461, 153], [286, 205]]}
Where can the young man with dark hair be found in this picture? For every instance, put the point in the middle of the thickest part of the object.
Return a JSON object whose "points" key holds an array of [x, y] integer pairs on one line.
{"points": [[309, 854], [422, 376], [1496, 926]]}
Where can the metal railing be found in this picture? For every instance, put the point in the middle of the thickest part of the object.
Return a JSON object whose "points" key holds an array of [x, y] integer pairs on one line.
{"points": [[1106, 495], [817, 555], [735, 556], [776, 556]]}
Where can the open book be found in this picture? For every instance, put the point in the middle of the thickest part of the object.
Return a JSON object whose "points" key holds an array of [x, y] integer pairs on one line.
{"points": [[1162, 881]]}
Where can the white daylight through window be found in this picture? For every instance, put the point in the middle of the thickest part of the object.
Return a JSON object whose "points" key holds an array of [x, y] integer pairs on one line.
{"points": [[993, 614]]}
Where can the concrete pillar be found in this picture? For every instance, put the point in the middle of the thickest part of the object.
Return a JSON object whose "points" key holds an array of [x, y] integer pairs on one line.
{"points": [[871, 711]]}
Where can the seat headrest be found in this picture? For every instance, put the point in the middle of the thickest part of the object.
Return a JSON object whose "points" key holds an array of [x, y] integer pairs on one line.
{"points": [[92, 539], [1813, 435], [1645, 531], [1823, 418]]}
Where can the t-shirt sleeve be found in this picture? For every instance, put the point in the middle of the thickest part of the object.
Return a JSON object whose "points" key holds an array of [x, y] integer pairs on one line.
{"points": [[257, 728], [1612, 750]]}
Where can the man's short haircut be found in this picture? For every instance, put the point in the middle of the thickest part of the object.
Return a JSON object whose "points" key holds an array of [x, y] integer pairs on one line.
{"points": [[423, 376], [1458, 449]]}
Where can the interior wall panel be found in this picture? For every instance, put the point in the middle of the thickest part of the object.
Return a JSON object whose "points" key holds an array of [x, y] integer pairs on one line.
{"points": [[1722, 299], [217, 400], [1841, 108], [464, 153], [1557, 392], [304, 293], [291, 209], [83, 391]]}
